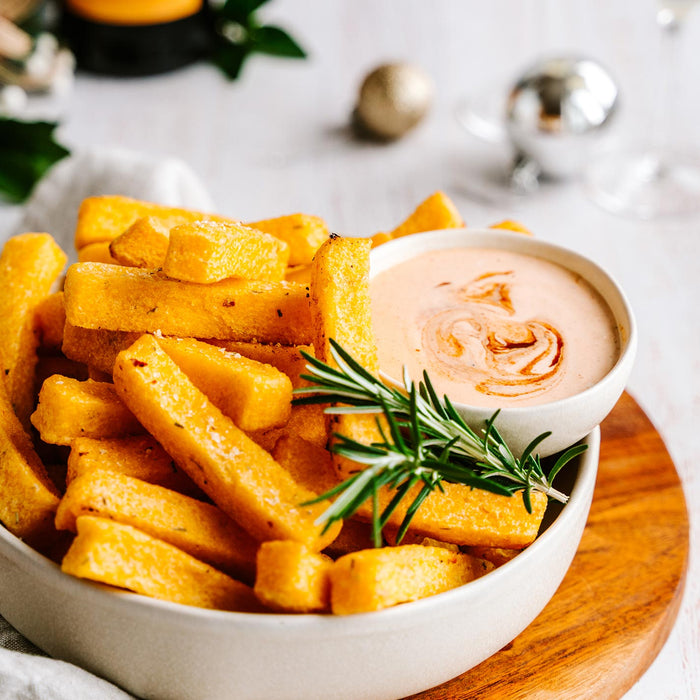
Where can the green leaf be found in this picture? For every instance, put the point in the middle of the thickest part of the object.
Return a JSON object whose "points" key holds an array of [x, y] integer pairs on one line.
{"points": [[230, 58], [27, 151], [275, 41]]}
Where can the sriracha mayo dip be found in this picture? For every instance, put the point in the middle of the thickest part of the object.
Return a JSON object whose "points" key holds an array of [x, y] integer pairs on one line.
{"points": [[492, 327]]}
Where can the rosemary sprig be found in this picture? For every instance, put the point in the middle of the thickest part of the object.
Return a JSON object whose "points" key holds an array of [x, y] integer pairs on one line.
{"points": [[424, 442]]}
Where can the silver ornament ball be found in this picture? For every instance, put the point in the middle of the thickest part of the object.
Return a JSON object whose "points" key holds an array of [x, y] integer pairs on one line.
{"points": [[393, 99], [556, 112]]}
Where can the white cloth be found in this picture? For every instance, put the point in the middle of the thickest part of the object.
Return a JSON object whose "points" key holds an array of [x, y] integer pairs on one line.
{"points": [[25, 672], [53, 205]]}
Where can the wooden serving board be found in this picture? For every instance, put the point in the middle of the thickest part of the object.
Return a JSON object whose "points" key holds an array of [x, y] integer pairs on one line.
{"points": [[619, 600]]}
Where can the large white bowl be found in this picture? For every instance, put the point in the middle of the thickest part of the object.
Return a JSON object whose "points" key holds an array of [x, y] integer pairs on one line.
{"points": [[162, 650], [568, 419]]}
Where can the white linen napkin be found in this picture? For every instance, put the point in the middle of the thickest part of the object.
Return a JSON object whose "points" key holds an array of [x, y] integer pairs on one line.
{"points": [[53, 205], [25, 672]]}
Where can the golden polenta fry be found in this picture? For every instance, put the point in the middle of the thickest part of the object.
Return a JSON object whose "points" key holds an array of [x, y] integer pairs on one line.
{"points": [[340, 309], [29, 265], [379, 238], [434, 213], [303, 234], [69, 408], [195, 527], [286, 358], [96, 347], [28, 498], [254, 395], [511, 225], [123, 556], [49, 321], [466, 516], [354, 536], [340, 301], [306, 422], [97, 252], [104, 217], [292, 578], [208, 251], [238, 475], [131, 299], [374, 579], [310, 465], [139, 456], [143, 244], [298, 273]]}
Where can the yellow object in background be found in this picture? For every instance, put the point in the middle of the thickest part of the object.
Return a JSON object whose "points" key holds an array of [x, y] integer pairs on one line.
{"points": [[134, 12]]}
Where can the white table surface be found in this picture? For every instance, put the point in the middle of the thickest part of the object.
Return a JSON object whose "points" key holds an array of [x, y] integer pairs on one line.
{"points": [[277, 141]]}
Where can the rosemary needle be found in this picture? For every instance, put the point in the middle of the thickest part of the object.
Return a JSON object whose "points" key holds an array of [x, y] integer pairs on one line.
{"points": [[424, 441]]}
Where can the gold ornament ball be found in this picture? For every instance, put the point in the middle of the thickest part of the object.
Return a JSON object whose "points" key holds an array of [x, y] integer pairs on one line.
{"points": [[393, 99]]}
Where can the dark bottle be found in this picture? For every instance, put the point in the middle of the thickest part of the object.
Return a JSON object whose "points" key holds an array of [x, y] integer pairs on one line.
{"points": [[135, 37]]}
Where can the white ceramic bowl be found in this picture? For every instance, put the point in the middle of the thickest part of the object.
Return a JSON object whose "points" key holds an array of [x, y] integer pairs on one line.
{"points": [[162, 650], [568, 419]]}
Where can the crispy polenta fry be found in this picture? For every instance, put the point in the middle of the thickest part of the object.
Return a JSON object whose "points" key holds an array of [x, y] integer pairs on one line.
{"points": [[104, 217], [143, 244], [340, 301], [286, 358], [292, 578], [379, 238], [49, 320], [139, 456], [97, 252], [131, 299], [310, 465], [466, 516], [238, 475], [303, 234], [511, 225], [123, 556], [298, 273], [256, 396], [307, 422], [29, 265], [354, 536], [95, 347], [28, 498], [210, 251], [374, 579], [69, 408], [195, 527], [340, 309], [434, 213]]}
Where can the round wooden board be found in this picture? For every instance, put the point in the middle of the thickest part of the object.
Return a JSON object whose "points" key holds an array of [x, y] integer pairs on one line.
{"points": [[619, 600]]}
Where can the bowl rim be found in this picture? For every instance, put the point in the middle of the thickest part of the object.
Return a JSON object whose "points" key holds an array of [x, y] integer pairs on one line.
{"points": [[524, 244], [50, 574]]}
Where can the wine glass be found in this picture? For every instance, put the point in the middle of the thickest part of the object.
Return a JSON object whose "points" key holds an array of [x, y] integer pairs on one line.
{"points": [[657, 181]]}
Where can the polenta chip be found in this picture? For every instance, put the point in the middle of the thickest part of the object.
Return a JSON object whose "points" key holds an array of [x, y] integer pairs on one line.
{"points": [[375, 579], [120, 298], [238, 475], [207, 252], [123, 556], [292, 578], [29, 265]]}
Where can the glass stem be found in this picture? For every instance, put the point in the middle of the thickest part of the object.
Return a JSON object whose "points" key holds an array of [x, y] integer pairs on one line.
{"points": [[670, 25]]}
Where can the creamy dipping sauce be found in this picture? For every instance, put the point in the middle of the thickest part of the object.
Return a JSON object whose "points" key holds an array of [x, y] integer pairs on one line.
{"points": [[492, 327]]}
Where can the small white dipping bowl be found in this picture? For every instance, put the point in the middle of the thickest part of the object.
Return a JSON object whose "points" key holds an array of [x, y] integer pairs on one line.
{"points": [[568, 419], [166, 651]]}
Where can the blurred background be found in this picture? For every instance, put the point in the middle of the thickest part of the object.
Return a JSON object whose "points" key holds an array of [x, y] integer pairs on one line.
{"points": [[265, 121]]}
